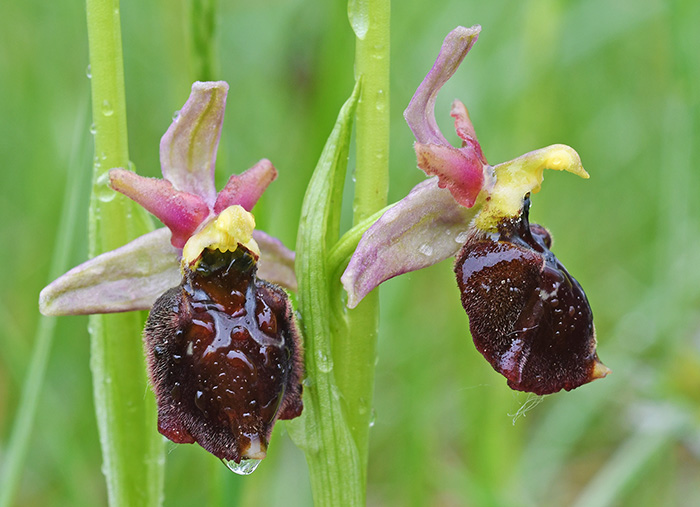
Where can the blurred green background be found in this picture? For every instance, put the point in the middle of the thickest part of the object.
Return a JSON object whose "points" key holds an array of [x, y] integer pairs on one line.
{"points": [[617, 80]]}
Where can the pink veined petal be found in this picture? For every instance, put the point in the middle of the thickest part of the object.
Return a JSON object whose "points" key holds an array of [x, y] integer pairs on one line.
{"points": [[424, 228], [465, 128], [126, 279], [188, 148], [245, 189], [181, 212], [459, 170], [276, 263], [420, 113]]}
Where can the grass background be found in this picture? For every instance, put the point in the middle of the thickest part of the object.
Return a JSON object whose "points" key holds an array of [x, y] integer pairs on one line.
{"points": [[617, 80]]}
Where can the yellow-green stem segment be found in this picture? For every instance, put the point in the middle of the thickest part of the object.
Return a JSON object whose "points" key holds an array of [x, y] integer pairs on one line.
{"points": [[356, 353]]}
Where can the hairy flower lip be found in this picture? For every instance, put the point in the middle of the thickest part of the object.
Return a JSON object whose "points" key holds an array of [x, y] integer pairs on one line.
{"points": [[528, 316], [224, 357]]}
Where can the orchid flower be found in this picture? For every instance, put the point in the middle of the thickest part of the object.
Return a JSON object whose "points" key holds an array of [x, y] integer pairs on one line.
{"points": [[221, 340], [528, 317]]}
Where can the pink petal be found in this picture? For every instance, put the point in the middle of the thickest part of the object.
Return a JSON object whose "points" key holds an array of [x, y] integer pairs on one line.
{"points": [[424, 228], [276, 263], [188, 148], [126, 279], [465, 129], [459, 170], [181, 212], [245, 189], [420, 113]]}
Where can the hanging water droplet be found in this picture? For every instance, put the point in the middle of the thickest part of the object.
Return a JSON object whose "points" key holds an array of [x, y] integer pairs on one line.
{"points": [[93, 129], [245, 467], [176, 115], [88, 72], [107, 109], [372, 418], [426, 249], [461, 238]]}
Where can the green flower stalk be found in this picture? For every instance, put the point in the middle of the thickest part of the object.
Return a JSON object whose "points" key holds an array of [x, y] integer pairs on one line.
{"points": [[132, 452]]}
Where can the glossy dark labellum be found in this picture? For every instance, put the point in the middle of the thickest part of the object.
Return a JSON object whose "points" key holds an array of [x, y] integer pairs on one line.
{"points": [[528, 316], [224, 357]]}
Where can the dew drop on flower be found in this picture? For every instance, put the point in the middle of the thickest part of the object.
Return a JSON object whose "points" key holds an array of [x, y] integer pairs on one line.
{"points": [[461, 238], [245, 467], [176, 115], [426, 249]]}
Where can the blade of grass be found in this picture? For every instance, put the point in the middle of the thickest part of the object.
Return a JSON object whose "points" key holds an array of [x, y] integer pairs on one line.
{"points": [[23, 424]]}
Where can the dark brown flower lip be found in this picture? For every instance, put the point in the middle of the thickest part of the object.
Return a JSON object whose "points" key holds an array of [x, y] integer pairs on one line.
{"points": [[528, 316], [224, 357]]}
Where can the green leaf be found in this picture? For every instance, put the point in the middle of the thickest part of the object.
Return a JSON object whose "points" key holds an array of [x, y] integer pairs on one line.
{"points": [[322, 431]]}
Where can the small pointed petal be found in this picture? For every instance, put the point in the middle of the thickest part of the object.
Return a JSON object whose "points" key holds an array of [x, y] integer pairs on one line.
{"points": [[518, 177], [424, 228], [465, 128], [420, 113], [181, 212], [188, 148], [276, 262], [458, 170], [126, 279], [245, 189]]}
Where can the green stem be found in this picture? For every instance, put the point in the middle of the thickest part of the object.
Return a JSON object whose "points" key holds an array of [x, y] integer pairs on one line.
{"points": [[356, 349], [202, 34], [125, 408]]}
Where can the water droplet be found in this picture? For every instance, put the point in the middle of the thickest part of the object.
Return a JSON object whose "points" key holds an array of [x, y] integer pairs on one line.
{"points": [[176, 115], [199, 401], [461, 238], [245, 467], [372, 418], [107, 108], [102, 189], [88, 72], [358, 12], [93, 129], [362, 406], [426, 249], [323, 362]]}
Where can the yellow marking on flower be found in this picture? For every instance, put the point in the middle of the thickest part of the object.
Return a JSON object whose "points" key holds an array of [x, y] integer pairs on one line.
{"points": [[232, 227], [523, 175], [599, 371]]}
